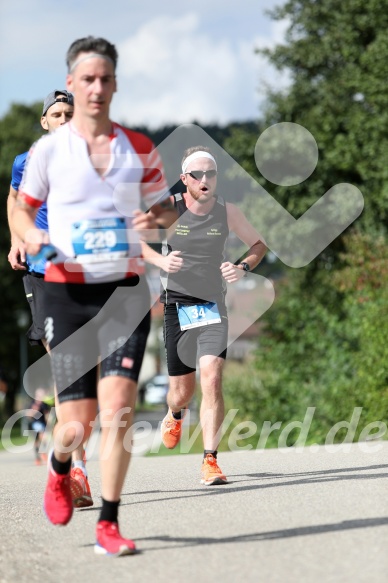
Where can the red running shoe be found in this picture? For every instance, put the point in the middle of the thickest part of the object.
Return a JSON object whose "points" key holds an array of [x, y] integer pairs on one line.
{"points": [[58, 502], [110, 542]]}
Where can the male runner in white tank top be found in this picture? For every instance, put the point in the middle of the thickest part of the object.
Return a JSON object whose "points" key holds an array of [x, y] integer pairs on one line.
{"points": [[94, 175]]}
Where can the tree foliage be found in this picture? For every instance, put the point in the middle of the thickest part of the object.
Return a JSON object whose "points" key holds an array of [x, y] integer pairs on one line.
{"points": [[312, 355], [337, 54], [19, 128], [327, 332]]}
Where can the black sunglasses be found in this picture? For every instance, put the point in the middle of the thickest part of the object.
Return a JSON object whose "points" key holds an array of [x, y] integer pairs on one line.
{"points": [[199, 174]]}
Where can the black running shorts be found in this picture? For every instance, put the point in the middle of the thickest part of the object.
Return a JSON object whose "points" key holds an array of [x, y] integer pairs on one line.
{"points": [[90, 323], [183, 347], [33, 286]]}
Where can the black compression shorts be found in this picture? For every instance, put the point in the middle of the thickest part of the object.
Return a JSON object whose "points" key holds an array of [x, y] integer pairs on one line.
{"points": [[88, 323], [33, 286], [184, 346]]}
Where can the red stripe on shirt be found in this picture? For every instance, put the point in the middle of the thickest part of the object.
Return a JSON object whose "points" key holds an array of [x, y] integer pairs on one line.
{"points": [[29, 200]]}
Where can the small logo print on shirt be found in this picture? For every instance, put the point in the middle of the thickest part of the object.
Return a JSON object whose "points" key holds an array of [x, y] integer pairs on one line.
{"points": [[182, 230], [127, 362]]}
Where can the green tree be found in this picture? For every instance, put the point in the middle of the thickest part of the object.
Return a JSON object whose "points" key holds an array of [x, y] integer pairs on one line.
{"points": [[19, 128], [364, 281], [324, 347], [336, 54]]}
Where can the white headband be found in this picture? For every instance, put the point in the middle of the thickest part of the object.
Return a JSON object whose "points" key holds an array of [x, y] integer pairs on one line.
{"points": [[89, 56], [194, 156]]}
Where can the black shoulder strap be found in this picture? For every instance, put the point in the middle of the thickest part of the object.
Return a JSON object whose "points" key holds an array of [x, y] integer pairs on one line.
{"points": [[179, 203]]}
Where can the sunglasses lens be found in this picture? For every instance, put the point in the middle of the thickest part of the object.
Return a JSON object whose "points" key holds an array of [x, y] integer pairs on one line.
{"points": [[198, 174]]}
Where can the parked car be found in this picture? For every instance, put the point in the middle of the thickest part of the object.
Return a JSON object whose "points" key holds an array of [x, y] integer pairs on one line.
{"points": [[156, 390]]}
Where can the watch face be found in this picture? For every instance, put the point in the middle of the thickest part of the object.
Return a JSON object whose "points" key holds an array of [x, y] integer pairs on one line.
{"points": [[245, 266]]}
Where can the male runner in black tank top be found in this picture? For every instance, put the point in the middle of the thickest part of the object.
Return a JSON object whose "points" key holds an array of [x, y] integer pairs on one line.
{"points": [[194, 275]]}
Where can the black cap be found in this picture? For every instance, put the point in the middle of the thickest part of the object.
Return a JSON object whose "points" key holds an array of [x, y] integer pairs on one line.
{"points": [[57, 96]]}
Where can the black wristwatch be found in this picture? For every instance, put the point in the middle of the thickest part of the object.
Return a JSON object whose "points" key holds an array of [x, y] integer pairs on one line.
{"points": [[245, 267]]}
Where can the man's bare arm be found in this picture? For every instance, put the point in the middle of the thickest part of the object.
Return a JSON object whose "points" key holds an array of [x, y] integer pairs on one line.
{"points": [[22, 223], [240, 225], [17, 254]]}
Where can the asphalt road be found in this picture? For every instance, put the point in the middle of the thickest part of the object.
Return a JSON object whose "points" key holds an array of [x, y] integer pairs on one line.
{"points": [[286, 516]]}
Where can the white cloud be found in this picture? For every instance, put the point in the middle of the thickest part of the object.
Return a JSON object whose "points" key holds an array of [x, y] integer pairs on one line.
{"points": [[176, 64], [172, 71]]}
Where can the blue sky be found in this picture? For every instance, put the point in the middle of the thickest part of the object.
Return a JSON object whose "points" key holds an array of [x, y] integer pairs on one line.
{"points": [[178, 62]]}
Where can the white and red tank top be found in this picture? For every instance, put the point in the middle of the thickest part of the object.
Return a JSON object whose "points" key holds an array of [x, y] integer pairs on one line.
{"points": [[89, 215]]}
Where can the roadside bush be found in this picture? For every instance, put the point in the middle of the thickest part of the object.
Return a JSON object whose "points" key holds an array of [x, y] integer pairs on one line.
{"points": [[324, 348]]}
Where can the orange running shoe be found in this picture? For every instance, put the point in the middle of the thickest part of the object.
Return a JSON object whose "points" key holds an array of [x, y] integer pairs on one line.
{"points": [[171, 430], [211, 474], [110, 542], [80, 489]]}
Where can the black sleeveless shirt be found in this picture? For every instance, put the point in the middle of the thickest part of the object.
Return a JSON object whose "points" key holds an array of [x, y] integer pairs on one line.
{"points": [[201, 238]]}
